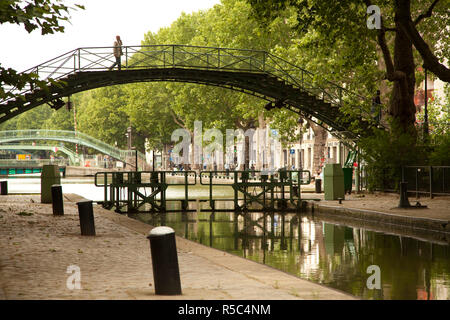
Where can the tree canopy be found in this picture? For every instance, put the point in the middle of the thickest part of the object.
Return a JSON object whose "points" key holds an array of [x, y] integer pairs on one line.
{"points": [[331, 40], [410, 34], [44, 15]]}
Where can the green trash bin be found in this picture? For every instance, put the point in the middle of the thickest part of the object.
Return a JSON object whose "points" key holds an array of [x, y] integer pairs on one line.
{"points": [[50, 175], [348, 179], [333, 184]]}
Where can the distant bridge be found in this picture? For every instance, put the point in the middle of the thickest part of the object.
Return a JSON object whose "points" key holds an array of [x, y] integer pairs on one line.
{"points": [[72, 155], [80, 138], [259, 73]]}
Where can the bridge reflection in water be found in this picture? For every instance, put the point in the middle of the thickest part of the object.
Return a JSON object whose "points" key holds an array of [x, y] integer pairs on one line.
{"points": [[314, 249]]}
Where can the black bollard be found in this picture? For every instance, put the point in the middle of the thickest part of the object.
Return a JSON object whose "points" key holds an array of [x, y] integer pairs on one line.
{"points": [[86, 214], [184, 205], [282, 204], [3, 188], [163, 248], [57, 200], [404, 202], [318, 185]]}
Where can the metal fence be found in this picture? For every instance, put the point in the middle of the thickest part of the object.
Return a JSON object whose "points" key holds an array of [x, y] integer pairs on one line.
{"points": [[428, 180], [422, 180]]}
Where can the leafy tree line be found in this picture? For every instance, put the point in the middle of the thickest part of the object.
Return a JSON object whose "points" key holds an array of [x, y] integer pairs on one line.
{"points": [[329, 39], [155, 110], [334, 40]]}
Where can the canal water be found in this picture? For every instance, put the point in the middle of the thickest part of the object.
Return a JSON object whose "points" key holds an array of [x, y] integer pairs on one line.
{"points": [[334, 255]]}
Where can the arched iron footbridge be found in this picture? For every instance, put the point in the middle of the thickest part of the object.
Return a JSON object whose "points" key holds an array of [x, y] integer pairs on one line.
{"points": [[258, 73], [127, 156]]}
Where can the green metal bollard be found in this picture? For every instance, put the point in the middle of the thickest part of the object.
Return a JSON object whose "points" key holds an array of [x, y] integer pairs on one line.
{"points": [[333, 184]]}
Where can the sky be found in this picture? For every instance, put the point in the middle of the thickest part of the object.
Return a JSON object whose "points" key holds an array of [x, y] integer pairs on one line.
{"points": [[96, 26]]}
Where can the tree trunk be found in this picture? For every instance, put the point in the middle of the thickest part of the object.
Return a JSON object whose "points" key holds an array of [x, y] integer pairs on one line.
{"points": [[320, 137], [384, 89], [402, 105]]}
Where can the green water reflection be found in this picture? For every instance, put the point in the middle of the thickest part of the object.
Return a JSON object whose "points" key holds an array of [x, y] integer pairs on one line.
{"points": [[333, 255]]}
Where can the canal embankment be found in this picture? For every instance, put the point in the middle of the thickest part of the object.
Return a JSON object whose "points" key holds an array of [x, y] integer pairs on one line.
{"points": [[74, 171], [380, 212], [39, 251]]}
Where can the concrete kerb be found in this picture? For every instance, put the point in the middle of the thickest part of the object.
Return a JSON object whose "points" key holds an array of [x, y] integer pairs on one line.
{"points": [[428, 224]]}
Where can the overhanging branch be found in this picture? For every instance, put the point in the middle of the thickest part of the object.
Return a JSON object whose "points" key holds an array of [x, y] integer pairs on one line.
{"points": [[391, 74], [427, 14], [430, 61]]}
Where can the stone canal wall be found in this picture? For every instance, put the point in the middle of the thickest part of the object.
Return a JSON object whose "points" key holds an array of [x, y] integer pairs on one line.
{"points": [[419, 227]]}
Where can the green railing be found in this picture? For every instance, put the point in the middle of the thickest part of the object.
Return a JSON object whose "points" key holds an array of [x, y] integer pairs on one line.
{"points": [[191, 57], [72, 155], [72, 137]]}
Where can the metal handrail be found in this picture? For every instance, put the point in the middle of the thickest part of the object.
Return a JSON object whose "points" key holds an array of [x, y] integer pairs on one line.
{"points": [[108, 178], [255, 177], [69, 136], [189, 56], [72, 155]]}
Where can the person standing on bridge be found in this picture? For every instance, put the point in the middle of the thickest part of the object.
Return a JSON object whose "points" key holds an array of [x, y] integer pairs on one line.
{"points": [[118, 53]]}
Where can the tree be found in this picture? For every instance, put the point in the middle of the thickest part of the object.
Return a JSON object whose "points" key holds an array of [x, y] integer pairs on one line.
{"points": [[101, 115], [148, 107], [45, 15], [341, 27], [61, 119], [216, 107], [438, 114]]}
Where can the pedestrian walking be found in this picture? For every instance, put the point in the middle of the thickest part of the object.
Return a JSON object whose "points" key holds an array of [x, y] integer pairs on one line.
{"points": [[118, 53]]}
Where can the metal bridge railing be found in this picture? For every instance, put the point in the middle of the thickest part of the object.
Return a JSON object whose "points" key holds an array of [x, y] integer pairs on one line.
{"points": [[255, 177], [194, 57], [70, 136], [14, 146]]}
